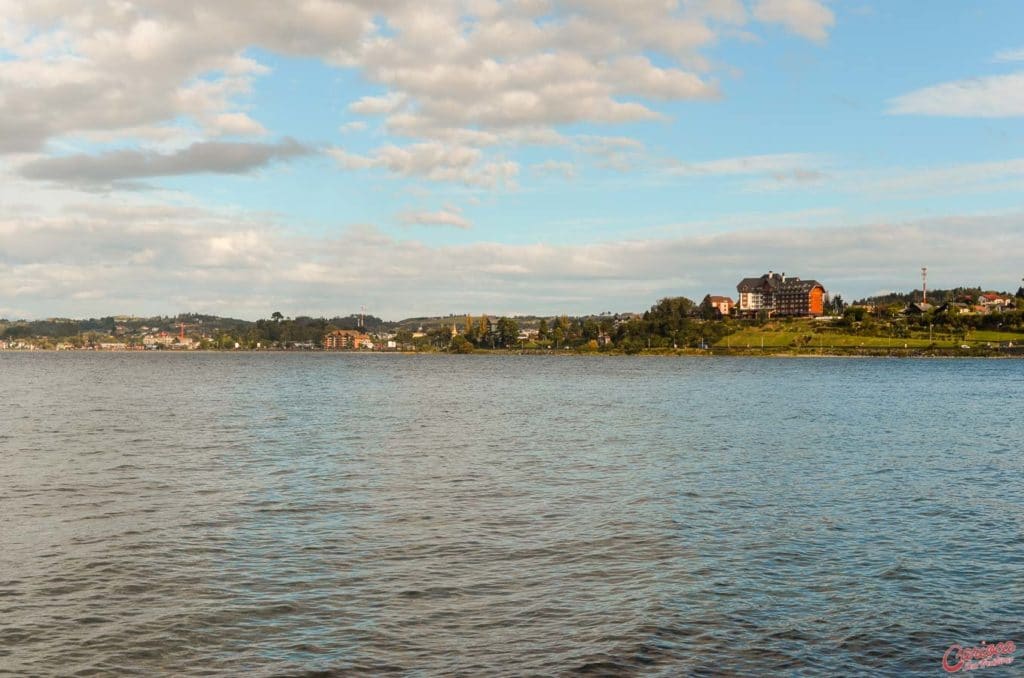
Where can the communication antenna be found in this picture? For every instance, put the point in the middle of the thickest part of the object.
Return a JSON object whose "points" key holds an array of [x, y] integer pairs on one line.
{"points": [[924, 284]]}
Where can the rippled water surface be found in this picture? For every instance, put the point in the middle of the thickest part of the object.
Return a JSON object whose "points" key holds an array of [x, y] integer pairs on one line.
{"points": [[261, 514]]}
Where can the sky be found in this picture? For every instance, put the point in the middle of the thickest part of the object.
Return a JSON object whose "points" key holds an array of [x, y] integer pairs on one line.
{"points": [[312, 157]]}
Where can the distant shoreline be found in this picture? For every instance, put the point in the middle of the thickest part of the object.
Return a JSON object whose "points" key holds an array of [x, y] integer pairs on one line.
{"points": [[945, 354]]}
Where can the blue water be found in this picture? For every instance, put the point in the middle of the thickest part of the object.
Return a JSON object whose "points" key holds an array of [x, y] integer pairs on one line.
{"points": [[286, 514]]}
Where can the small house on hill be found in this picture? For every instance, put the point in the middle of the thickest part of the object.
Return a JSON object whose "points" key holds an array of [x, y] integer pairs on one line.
{"points": [[918, 308], [723, 305]]}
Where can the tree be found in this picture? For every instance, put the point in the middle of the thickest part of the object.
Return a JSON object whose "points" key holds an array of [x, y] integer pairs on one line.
{"points": [[632, 346], [461, 345], [508, 332], [854, 314], [834, 305], [276, 316], [440, 336], [669, 318], [483, 329], [403, 337], [542, 329], [708, 311]]}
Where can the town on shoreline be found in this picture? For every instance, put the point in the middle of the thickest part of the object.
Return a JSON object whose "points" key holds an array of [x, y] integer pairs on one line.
{"points": [[773, 314]]}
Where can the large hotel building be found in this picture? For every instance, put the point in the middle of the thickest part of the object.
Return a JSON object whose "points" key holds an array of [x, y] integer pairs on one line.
{"points": [[776, 293]]}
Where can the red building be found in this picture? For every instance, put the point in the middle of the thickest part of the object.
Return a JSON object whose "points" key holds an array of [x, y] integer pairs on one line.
{"points": [[341, 340]]}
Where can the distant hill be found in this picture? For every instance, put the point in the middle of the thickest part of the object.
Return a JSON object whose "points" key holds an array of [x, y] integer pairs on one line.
{"points": [[525, 322], [60, 328], [934, 296]]}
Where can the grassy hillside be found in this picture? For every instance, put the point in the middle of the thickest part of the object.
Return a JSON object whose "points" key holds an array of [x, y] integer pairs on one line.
{"points": [[809, 338]]}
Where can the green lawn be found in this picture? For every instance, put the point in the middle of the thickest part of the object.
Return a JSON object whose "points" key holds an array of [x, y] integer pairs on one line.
{"points": [[786, 338], [848, 340], [752, 338], [994, 335]]}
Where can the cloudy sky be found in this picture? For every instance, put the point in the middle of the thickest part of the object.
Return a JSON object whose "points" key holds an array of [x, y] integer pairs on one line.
{"points": [[241, 157]]}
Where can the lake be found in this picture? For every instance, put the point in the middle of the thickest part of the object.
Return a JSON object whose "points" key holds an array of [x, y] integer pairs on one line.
{"points": [[296, 514]]}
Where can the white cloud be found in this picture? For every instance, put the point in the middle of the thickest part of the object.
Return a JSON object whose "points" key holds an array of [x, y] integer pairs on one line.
{"points": [[434, 161], [778, 165], [457, 72], [87, 68], [792, 170], [352, 127], [808, 18], [995, 96], [217, 157], [388, 103], [449, 216], [618, 153], [1010, 55], [134, 256], [238, 124], [565, 169], [637, 75], [946, 180]]}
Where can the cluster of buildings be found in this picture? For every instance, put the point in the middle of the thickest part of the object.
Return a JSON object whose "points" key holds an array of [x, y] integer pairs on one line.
{"points": [[775, 294], [352, 340], [168, 341], [983, 304]]}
